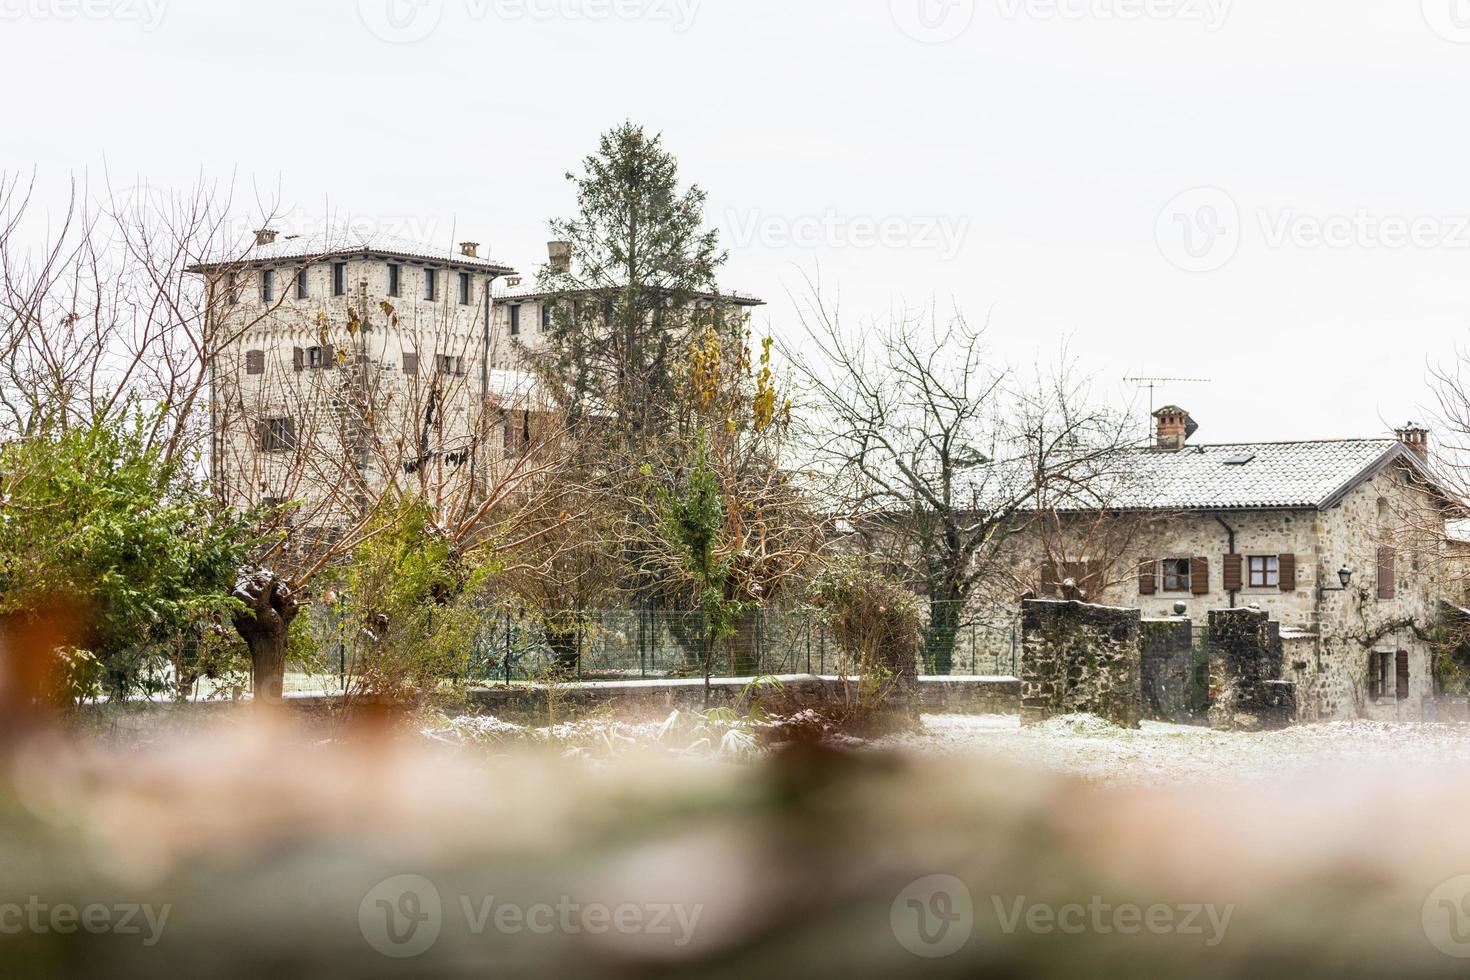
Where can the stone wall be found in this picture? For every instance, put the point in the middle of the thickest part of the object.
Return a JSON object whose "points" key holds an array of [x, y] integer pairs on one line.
{"points": [[1078, 658], [1246, 664]]}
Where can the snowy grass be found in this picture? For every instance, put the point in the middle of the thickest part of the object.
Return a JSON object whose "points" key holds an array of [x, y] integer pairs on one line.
{"points": [[1162, 754]]}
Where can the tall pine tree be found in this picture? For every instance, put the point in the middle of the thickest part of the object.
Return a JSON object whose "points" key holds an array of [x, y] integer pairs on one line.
{"points": [[628, 297]]}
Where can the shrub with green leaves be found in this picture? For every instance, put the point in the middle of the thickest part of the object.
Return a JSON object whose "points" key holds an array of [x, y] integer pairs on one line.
{"points": [[102, 523]]}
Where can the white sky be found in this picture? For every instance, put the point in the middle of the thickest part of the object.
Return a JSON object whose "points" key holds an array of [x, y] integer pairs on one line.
{"points": [[1030, 166]]}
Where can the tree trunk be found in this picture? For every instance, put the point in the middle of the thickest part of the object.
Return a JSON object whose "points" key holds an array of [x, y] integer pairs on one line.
{"points": [[265, 626]]}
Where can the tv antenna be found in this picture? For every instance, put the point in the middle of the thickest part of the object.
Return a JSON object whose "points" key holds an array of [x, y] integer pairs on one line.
{"points": [[1153, 384]]}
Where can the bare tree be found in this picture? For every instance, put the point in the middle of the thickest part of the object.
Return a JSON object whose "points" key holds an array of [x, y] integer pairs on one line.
{"points": [[943, 456]]}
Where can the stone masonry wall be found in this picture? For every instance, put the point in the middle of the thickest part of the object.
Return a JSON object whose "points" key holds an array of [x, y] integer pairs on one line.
{"points": [[1078, 658]]}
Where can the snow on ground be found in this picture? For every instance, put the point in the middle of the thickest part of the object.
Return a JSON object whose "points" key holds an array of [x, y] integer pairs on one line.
{"points": [[1161, 753]]}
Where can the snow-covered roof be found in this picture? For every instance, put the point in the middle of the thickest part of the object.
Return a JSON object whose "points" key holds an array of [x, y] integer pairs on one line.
{"points": [[1238, 476], [530, 291], [337, 242]]}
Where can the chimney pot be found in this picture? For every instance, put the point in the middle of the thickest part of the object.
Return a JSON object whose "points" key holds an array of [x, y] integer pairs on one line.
{"points": [[470, 249], [264, 236], [1174, 427], [1416, 437], [560, 255]]}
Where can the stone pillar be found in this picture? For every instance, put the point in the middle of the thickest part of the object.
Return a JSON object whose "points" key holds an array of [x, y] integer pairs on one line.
{"points": [[1077, 658], [1246, 664]]}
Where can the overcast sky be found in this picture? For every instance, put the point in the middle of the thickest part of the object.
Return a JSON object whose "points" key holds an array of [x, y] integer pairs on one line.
{"points": [[1271, 194]]}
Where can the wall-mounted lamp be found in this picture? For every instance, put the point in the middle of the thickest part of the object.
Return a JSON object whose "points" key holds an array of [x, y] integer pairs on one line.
{"points": [[1345, 574]]}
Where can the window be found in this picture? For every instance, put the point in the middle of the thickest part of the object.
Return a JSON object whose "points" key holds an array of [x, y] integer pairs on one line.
{"points": [[430, 283], [1388, 675], [268, 285], [395, 275], [303, 286], [1176, 575], [545, 316], [255, 362], [314, 358], [278, 435], [464, 289], [450, 364], [232, 289], [1265, 572], [410, 363], [515, 321], [339, 278], [1387, 573]]}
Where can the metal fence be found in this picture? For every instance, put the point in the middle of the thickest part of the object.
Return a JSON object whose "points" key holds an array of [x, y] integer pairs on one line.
{"points": [[627, 644]]}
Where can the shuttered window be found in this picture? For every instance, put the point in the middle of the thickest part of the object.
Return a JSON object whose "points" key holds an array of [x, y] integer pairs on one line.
{"points": [[1265, 571], [1403, 675], [277, 435], [410, 363], [1148, 577], [255, 362], [1387, 573], [1176, 574]]}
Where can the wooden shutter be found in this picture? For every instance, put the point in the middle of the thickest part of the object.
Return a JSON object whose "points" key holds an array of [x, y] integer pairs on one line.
{"points": [[1049, 581], [410, 363], [1148, 576], [1403, 675], [298, 358], [1387, 578], [255, 362], [1232, 573], [1199, 576], [329, 357], [1287, 566]]}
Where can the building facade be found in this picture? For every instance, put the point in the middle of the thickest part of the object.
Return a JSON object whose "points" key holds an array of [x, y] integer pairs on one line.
{"points": [[1340, 541]]}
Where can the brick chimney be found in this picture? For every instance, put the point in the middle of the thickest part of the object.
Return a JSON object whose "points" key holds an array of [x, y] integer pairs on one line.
{"points": [[1174, 428], [560, 255], [470, 249], [265, 236], [1416, 437]]}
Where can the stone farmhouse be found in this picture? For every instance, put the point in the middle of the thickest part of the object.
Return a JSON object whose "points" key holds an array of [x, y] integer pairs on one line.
{"points": [[1339, 541], [347, 363]]}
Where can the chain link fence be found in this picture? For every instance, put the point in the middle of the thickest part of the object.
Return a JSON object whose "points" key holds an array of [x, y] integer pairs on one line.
{"points": [[633, 644]]}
